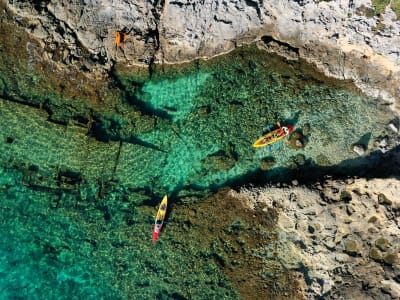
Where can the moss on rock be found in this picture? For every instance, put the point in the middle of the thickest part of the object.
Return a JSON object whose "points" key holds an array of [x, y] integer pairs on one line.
{"points": [[352, 248], [382, 243]]}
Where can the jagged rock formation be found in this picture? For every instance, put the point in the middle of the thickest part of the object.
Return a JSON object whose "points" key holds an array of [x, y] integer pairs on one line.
{"points": [[342, 235], [340, 37]]}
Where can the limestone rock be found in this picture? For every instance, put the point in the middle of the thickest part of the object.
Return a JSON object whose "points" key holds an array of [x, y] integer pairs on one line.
{"points": [[391, 258], [375, 254], [346, 256], [382, 199], [338, 37]]}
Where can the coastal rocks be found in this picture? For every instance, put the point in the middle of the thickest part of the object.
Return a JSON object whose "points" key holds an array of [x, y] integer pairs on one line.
{"points": [[343, 39], [352, 248], [345, 233], [382, 199]]}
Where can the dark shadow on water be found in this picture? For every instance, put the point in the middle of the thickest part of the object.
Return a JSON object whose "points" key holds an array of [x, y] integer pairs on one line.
{"points": [[134, 95], [376, 165], [364, 140], [293, 120], [108, 130], [136, 141], [146, 109]]}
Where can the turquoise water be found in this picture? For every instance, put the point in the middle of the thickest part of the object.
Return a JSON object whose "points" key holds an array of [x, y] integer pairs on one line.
{"points": [[55, 246], [77, 205]]}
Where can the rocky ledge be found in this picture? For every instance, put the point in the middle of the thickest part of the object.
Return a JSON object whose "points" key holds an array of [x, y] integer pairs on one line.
{"points": [[357, 40], [341, 235]]}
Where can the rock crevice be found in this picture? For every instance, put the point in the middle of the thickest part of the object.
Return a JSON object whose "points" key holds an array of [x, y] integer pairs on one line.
{"points": [[342, 38]]}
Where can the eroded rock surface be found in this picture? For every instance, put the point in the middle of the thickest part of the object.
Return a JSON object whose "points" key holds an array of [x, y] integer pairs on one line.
{"points": [[344, 235], [342, 38]]}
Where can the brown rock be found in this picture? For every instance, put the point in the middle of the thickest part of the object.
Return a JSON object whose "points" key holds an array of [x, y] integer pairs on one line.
{"points": [[390, 258], [375, 254], [382, 199], [382, 243], [352, 248]]}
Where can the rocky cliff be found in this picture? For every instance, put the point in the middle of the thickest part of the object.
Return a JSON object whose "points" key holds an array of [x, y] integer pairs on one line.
{"points": [[345, 39]]}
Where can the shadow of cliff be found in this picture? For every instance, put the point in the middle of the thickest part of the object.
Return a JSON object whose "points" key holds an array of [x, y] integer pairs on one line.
{"points": [[374, 165]]}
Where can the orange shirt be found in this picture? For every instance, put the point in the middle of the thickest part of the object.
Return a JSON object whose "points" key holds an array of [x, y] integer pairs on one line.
{"points": [[120, 37]]}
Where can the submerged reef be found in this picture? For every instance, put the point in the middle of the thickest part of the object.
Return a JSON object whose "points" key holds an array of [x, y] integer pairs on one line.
{"points": [[191, 128]]}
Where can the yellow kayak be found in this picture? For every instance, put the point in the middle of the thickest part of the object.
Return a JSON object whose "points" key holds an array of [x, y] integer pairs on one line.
{"points": [[162, 211], [273, 136]]}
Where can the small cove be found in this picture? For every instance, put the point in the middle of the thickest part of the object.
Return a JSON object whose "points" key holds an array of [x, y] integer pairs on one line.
{"points": [[81, 201]]}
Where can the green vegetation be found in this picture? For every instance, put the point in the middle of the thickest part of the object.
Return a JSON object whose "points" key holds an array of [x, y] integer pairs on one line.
{"points": [[366, 11], [378, 8], [395, 6], [380, 5]]}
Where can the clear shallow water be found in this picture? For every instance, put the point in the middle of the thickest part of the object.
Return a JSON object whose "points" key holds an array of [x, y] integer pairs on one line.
{"points": [[211, 119], [72, 204], [57, 247]]}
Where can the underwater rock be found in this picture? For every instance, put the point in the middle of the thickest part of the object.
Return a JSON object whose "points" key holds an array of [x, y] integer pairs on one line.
{"points": [[218, 161], [297, 140], [323, 160], [305, 130], [359, 149], [267, 163], [299, 144]]}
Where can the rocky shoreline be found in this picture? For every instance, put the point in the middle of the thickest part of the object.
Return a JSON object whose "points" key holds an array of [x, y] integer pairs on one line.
{"points": [[344, 39], [341, 235]]}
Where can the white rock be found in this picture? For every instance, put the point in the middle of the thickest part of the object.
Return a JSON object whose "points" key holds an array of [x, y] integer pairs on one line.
{"points": [[359, 149], [393, 128], [391, 287]]}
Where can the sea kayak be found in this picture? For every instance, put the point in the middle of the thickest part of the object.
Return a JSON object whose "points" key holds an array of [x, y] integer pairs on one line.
{"points": [[162, 210], [273, 136]]}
